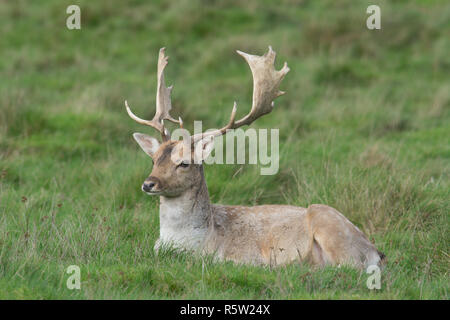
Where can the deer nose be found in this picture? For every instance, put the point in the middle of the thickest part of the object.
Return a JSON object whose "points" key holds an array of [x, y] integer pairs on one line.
{"points": [[148, 186]]}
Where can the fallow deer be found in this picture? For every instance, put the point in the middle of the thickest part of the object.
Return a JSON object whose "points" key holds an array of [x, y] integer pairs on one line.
{"points": [[261, 235]]}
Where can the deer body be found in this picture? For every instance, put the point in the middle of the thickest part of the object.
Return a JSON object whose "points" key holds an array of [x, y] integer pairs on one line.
{"points": [[263, 235]]}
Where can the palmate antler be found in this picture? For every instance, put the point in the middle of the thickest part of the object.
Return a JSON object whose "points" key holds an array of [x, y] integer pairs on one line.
{"points": [[265, 89], [163, 102]]}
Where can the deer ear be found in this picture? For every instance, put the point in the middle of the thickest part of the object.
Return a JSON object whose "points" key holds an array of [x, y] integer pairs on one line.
{"points": [[203, 149], [149, 144]]}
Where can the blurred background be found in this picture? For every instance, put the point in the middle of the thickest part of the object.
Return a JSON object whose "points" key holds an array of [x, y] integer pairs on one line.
{"points": [[364, 127]]}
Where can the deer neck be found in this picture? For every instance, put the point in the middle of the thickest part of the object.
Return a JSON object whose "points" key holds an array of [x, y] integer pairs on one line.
{"points": [[184, 219]]}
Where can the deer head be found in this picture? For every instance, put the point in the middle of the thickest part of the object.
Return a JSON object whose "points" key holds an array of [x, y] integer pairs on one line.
{"points": [[177, 165]]}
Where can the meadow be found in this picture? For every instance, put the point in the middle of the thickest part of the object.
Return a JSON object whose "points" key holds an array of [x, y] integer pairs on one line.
{"points": [[364, 127]]}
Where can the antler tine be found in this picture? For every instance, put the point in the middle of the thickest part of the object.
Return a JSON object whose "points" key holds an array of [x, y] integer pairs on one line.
{"points": [[163, 101], [266, 81], [230, 125], [158, 126]]}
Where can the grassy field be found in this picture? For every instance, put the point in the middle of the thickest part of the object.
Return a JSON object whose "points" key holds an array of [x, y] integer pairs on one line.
{"points": [[364, 127]]}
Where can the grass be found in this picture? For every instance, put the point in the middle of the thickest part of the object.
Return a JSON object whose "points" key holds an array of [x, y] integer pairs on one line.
{"points": [[364, 128]]}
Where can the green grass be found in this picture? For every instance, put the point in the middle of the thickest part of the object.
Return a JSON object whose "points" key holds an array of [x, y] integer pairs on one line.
{"points": [[364, 127]]}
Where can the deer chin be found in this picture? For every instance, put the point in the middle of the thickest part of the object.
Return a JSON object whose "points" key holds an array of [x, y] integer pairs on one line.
{"points": [[165, 193], [153, 193]]}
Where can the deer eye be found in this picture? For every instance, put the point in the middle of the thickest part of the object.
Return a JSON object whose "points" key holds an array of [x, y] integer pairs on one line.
{"points": [[183, 164]]}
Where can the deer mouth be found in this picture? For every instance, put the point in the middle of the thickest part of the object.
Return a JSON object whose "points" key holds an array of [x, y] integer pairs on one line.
{"points": [[165, 193], [154, 192]]}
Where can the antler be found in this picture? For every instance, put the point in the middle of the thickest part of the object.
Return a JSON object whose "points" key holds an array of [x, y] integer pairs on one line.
{"points": [[163, 102], [265, 89]]}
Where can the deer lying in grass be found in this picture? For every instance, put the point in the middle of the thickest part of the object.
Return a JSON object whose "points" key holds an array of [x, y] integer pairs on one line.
{"points": [[265, 234]]}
